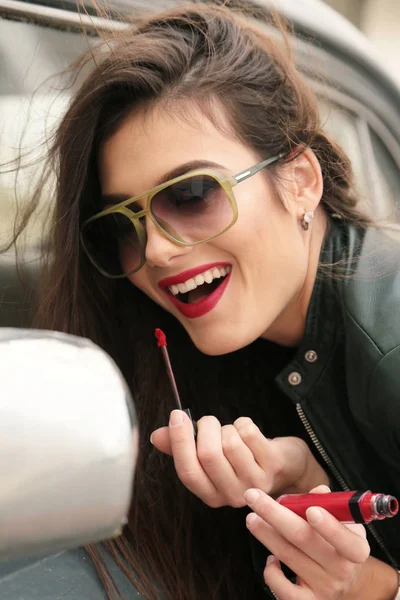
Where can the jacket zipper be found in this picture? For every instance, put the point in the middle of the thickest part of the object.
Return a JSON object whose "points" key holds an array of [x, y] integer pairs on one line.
{"points": [[340, 480]]}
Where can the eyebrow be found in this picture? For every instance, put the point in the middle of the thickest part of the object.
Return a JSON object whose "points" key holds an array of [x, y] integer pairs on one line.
{"points": [[176, 172]]}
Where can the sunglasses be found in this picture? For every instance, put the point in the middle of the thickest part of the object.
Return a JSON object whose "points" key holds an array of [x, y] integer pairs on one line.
{"points": [[188, 210]]}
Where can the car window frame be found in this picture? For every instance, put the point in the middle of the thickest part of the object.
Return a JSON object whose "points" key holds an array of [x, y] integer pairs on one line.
{"points": [[365, 120]]}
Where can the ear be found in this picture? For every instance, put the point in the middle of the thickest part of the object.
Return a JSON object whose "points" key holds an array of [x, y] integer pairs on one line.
{"points": [[307, 183]]}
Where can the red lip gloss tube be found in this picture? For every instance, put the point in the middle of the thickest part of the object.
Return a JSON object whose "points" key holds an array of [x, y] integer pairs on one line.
{"points": [[347, 507]]}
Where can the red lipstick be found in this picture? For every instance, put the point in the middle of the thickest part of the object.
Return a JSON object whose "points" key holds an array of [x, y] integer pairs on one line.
{"points": [[189, 274], [193, 311], [347, 507]]}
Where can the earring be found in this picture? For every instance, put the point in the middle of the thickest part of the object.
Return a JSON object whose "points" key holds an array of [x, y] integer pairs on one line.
{"points": [[306, 220]]}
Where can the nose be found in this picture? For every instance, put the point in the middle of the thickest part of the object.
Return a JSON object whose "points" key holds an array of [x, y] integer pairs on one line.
{"points": [[160, 251]]}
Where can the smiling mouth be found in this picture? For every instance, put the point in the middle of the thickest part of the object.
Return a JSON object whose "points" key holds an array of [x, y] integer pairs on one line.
{"points": [[199, 287], [197, 291]]}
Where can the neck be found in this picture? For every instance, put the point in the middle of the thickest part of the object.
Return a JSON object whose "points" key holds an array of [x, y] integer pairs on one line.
{"points": [[288, 329]]}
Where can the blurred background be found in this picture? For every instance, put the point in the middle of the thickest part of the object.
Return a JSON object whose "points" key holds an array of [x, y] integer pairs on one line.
{"points": [[379, 20]]}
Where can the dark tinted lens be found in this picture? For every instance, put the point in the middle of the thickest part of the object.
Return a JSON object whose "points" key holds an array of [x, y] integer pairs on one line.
{"points": [[194, 209], [113, 244]]}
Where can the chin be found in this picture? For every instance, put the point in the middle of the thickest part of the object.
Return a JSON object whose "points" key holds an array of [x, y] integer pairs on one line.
{"points": [[216, 343]]}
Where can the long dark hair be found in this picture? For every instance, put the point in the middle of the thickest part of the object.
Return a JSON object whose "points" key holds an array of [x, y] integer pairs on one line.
{"points": [[200, 53]]}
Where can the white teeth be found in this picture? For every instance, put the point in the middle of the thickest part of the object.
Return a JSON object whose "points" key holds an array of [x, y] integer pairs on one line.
{"points": [[199, 279], [206, 277], [190, 285], [174, 289], [182, 288]]}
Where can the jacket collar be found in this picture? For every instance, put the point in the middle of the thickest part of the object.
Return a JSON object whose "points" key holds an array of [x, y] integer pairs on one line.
{"points": [[324, 321]]}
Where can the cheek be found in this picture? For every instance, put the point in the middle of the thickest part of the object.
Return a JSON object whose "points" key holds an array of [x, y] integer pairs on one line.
{"points": [[143, 283], [127, 258], [276, 232], [260, 210], [283, 254], [264, 229], [140, 281], [130, 252], [269, 248]]}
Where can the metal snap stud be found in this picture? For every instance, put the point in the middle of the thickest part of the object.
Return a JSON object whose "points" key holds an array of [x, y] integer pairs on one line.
{"points": [[311, 356], [294, 378]]}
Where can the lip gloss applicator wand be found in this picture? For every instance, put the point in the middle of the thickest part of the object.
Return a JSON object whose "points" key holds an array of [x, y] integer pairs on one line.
{"points": [[162, 344], [347, 507]]}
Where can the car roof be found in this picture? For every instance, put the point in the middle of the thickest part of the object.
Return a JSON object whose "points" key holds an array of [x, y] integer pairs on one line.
{"points": [[321, 21], [312, 16], [325, 23], [313, 19]]}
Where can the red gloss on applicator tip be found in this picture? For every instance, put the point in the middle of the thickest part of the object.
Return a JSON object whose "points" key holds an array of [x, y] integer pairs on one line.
{"points": [[161, 337]]}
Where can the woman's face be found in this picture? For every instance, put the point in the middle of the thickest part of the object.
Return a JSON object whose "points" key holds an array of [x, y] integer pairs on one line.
{"points": [[266, 254]]}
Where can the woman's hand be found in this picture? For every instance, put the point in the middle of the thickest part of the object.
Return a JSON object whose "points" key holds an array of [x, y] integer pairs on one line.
{"points": [[223, 462], [326, 555]]}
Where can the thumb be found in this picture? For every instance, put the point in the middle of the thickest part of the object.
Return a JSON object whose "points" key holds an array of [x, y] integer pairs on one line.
{"points": [[320, 489], [160, 439]]}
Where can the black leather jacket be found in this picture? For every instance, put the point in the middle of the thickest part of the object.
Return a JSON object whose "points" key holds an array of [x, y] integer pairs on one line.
{"points": [[345, 377]]}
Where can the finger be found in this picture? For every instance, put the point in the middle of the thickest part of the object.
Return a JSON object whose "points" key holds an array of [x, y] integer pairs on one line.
{"points": [[259, 445], [279, 584], [240, 456], [320, 489], [215, 463], [297, 560], [349, 544], [160, 439], [187, 465], [356, 527], [292, 528]]}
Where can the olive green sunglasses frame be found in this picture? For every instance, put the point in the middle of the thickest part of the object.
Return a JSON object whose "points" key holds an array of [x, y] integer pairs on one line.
{"points": [[134, 217]]}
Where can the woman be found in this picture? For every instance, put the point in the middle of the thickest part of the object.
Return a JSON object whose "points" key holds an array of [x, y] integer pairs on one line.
{"points": [[197, 192]]}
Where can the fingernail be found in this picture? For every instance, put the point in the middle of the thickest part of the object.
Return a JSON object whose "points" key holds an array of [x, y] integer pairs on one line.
{"points": [[314, 515], [151, 439], [251, 518], [271, 559], [251, 496], [176, 417]]}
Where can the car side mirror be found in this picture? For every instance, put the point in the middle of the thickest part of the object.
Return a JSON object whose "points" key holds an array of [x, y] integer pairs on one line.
{"points": [[68, 444]]}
